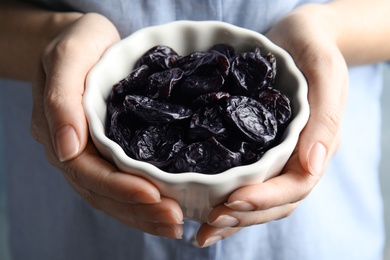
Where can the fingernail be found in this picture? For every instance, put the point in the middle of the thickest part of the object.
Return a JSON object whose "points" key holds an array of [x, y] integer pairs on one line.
{"points": [[225, 221], [212, 241], [173, 231], [67, 143], [178, 219], [317, 157], [240, 205]]}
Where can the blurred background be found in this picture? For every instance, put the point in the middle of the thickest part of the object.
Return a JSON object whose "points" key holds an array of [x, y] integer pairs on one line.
{"points": [[385, 163]]}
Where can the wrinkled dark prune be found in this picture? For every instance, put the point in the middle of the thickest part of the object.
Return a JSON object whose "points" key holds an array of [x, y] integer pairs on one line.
{"points": [[158, 58], [277, 103], [121, 131], [209, 157], [250, 152], [224, 49], [250, 73], [272, 61], [252, 119], [202, 75], [155, 112], [191, 61], [195, 85], [199, 62], [208, 122], [156, 144], [204, 112], [210, 98], [161, 83], [134, 83]]}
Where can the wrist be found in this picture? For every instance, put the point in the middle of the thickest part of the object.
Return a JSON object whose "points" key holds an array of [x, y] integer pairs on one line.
{"points": [[306, 29], [57, 23], [359, 28], [87, 37], [26, 32]]}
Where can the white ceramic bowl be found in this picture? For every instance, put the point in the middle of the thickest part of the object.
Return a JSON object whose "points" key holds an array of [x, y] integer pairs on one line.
{"points": [[196, 193]]}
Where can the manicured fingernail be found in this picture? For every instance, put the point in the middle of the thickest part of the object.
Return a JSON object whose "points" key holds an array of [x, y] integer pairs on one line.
{"points": [[225, 221], [172, 231], [67, 143], [317, 157], [212, 241], [240, 205], [178, 219]]}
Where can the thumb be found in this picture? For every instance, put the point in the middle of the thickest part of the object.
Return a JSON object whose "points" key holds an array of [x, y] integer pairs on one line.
{"points": [[328, 86], [64, 112], [67, 62]]}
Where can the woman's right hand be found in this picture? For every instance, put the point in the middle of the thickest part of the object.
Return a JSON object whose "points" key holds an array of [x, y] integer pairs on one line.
{"points": [[59, 123]]}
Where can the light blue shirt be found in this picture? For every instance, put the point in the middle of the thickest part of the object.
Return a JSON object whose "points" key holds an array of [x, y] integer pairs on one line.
{"points": [[340, 219]]}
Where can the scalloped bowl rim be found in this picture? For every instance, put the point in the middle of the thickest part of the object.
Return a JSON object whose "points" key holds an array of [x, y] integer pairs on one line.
{"points": [[121, 159]]}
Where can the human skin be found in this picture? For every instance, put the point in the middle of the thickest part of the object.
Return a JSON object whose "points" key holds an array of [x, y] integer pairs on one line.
{"points": [[322, 39]]}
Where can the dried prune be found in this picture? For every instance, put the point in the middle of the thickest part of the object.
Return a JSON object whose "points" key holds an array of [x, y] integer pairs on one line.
{"points": [[277, 103], [208, 122], [209, 157], [252, 119], [155, 112], [202, 75], [121, 131], [272, 61], [210, 98], [161, 83], [156, 144], [250, 73], [250, 152], [191, 61], [134, 83], [158, 58], [224, 49], [197, 84]]}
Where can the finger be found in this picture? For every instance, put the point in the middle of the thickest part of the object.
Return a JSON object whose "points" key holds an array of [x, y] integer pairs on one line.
{"points": [[94, 173], [223, 216], [159, 220], [158, 229], [90, 171], [66, 67], [38, 125], [293, 185], [225, 222], [166, 211], [209, 235]]}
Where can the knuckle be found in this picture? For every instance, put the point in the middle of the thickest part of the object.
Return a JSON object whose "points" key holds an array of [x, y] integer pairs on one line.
{"points": [[86, 194], [89, 198], [38, 127], [101, 183], [331, 120], [125, 210], [310, 181], [53, 100], [69, 170], [290, 208], [306, 183], [63, 46]]}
